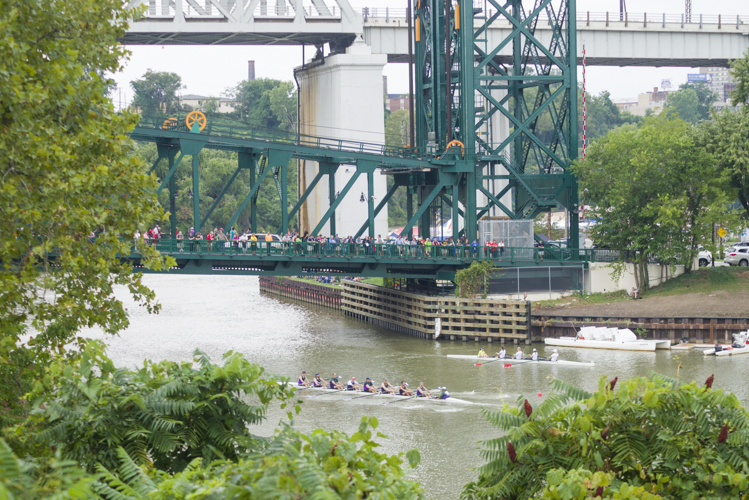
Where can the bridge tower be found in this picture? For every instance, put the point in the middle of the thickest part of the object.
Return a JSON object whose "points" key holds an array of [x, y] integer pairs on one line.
{"points": [[466, 79]]}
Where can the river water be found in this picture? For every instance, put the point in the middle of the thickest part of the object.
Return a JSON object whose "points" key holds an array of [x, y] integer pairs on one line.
{"points": [[217, 314]]}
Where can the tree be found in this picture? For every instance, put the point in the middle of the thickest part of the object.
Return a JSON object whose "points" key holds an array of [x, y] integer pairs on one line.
{"points": [[729, 137], [651, 435], [471, 280], [165, 414], [658, 213], [262, 104], [70, 189], [156, 92], [685, 104]]}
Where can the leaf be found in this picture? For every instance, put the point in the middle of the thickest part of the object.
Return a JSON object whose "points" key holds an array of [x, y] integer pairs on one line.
{"points": [[414, 458]]}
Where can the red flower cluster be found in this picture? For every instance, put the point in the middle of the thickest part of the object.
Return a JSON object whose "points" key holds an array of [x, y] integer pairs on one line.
{"points": [[528, 408]]}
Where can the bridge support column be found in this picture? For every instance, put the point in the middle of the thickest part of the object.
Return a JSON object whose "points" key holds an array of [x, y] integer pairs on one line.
{"points": [[342, 98]]}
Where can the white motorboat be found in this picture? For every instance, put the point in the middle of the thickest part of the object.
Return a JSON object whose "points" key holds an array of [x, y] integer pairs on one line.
{"points": [[593, 337], [739, 346], [513, 361]]}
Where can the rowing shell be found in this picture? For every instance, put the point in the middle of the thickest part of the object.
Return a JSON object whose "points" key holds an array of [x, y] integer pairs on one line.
{"points": [[379, 395], [514, 361]]}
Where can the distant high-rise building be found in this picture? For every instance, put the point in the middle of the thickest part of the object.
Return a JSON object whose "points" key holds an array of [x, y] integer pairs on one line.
{"points": [[250, 70], [719, 78]]}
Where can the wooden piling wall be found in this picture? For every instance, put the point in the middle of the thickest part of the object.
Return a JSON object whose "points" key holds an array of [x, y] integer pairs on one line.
{"points": [[482, 320], [299, 290], [697, 330]]}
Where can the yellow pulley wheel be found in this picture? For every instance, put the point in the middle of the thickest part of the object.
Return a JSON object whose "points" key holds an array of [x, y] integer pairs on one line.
{"points": [[170, 124], [196, 116]]}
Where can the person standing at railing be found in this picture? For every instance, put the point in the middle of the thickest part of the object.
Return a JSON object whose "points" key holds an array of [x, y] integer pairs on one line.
{"points": [[378, 245], [253, 243], [501, 248], [427, 247], [198, 238], [475, 249], [285, 241], [222, 240], [268, 241], [191, 239], [180, 241]]}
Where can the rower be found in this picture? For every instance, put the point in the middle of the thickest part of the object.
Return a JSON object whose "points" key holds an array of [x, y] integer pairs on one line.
{"points": [[422, 391], [318, 381], [718, 347], [519, 354], [444, 394], [534, 355], [554, 356], [386, 388], [303, 380], [351, 385], [403, 390], [502, 353], [369, 386], [334, 383], [482, 353]]}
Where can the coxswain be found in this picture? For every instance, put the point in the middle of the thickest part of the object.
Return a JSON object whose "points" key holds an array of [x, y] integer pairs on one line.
{"points": [[351, 385], [334, 383], [303, 380], [403, 390], [386, 388], [502, 353], [422, 391], [519, 354], [554, 356], [318, 381], [482, 353], [369, 386], [444, 394], [534, 355]]}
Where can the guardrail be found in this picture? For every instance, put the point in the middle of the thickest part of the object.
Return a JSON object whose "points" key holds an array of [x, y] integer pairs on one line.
{"points": [[241, 130], [609, 17], [252, 250]]}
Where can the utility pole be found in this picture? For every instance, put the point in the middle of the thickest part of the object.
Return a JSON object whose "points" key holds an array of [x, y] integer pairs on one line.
{"points": [[623, 9]]}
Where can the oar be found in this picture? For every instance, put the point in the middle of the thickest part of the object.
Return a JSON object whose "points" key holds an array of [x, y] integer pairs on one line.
{"points": [[399, 400], [325, 394], [365, 396], [492, 361]]}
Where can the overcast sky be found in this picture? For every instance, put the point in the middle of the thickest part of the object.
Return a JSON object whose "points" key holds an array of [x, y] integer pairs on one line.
{"points": [[210, 70]]}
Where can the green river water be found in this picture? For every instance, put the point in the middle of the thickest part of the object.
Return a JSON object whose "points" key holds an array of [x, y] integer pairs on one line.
{"points": [[217, 314]]}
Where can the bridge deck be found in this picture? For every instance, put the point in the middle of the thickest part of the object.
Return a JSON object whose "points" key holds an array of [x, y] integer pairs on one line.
{"points": [[379, 260]]}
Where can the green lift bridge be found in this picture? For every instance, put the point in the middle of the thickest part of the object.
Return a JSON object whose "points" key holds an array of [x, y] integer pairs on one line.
{"points": [[462, 81]]}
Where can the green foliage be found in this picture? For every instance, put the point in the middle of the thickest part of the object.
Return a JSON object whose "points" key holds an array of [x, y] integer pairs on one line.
{"points": [[396, 135], [156, 92], [649, 435], [266, 103], [471, 280], [693, 102], [661, 213], [46, 479], [728, 137], [166, 413], [66, 173], [320, 465], [740, 74]]}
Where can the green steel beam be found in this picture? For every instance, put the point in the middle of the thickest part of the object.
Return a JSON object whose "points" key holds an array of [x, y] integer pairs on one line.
{"points": [[221, 194], [304, 196], [169, 174], [255, 187], [423, 207], [379, 207], [338, 200]]}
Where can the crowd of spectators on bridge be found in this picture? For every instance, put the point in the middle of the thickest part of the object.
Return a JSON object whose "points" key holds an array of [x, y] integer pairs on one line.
{"points": [[400, 246]]}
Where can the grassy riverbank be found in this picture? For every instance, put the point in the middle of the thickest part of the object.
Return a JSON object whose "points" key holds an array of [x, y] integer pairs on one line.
{"points": [[720, 291]]}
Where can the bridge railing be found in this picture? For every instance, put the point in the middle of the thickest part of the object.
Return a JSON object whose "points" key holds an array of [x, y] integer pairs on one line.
{"points": [[385, 251], [222, 127], [641, 18]]}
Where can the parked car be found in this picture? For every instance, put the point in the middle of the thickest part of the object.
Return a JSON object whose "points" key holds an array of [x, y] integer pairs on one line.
{"points": [[735, 247], [704, 258], [738, 257]]}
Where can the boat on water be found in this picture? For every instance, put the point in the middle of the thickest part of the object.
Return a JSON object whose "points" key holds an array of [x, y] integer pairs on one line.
{"points": [[595, 337], [513, 361], [324, 391], [739, 346]]}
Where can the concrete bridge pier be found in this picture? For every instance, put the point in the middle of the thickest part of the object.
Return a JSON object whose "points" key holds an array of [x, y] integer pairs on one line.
{"points": [[341, 97]]}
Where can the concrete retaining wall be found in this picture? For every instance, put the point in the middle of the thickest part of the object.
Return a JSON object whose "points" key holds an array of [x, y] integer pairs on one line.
{"points": [[598, 277]]}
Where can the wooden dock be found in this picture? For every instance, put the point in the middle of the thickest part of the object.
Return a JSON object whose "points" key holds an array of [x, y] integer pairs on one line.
{"points": [[428, 317]]}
